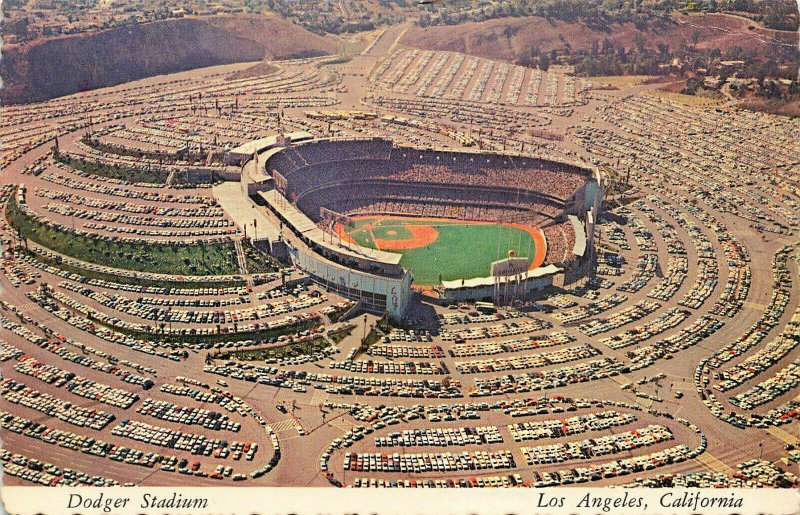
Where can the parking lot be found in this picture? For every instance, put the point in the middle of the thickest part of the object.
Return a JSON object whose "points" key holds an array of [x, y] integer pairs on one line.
{"points": [[144, 340]]}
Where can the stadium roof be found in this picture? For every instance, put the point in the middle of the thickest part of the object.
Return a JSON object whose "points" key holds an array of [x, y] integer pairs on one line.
{"points": [[579, 249], [290, 213], [259, 172], [482, 282], [259, 145]]}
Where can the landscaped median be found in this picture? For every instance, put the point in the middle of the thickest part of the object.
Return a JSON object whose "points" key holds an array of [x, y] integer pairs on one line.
{"points": [[55, 264], [309, 345], [123, 173], [209, 336], [152, 257]]}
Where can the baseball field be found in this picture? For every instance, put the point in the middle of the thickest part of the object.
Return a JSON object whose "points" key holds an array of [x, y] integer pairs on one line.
{"points": [[450, 249]]}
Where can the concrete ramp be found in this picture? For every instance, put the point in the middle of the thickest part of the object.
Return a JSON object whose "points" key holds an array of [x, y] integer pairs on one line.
{"points": [[244, 212]]}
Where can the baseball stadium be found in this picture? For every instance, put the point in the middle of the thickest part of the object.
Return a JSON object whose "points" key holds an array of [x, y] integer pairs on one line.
{"points": [[451, 224]]}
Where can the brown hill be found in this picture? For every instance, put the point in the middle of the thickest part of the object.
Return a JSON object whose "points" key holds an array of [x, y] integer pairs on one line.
{"points": [[49, 68], [261, 69], [511, 38]]}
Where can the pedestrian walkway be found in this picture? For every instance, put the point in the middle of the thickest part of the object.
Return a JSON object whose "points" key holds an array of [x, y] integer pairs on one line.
{"points": [[284, 425], [245, 214], [319, 398], [782, 435], [237, 244], [27, 307], [710, 462]]}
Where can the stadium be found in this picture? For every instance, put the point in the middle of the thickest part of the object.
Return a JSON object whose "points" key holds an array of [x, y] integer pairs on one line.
{"points": [[374, 221]]}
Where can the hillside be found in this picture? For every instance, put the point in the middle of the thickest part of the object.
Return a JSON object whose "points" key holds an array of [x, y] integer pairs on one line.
{"points": [[510, 38], [49, 68]]}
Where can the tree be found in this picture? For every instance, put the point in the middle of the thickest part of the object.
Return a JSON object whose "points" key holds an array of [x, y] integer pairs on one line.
{"points": [[544, 62], [639, 41]]}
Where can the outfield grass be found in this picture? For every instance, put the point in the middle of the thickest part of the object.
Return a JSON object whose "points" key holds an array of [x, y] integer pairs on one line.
{"points": [[155, 258], [462, 250]]}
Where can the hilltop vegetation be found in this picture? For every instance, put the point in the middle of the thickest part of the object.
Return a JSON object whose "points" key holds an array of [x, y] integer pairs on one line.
{"points": [[599, 36], [48, 68], [697, 41], [601, 14]]}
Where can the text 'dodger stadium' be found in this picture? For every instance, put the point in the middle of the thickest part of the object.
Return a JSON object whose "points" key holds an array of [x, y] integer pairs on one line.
{"points": [[400, 244]]}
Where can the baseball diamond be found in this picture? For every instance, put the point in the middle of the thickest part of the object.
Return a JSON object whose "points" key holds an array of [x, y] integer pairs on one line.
{"points": [[437, 249]]}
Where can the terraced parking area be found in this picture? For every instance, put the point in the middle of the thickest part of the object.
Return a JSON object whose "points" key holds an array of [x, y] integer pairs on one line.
{"points": [[147, 337]]}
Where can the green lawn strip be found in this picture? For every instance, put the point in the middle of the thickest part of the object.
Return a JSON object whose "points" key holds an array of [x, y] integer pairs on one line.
{"points": [[210, 282], [123, 173], [371, 339], [340, 334], [261, 335], [218, 259], [336, 315], [289, 350], [257, 261], [108, 148]]}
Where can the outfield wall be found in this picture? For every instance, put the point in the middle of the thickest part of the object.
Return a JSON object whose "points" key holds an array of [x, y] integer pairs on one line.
{"points": [[501, 289]]}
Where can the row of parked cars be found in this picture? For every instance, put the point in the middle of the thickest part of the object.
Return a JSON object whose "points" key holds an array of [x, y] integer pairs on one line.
{"points": [[528, 325], [428, 462], [47, 474], [598, 446], [441, 437], [511, 480], [477, 348], [556, 428], [187, 415], [521, 362], [753, 473], [17, 393]]}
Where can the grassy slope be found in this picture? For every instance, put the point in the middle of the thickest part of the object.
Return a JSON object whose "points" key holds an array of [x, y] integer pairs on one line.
{"points": [[151, 257], [55, 66]]}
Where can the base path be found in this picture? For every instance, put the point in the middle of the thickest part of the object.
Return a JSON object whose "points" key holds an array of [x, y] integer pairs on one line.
{"points": [[416, 235]]}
